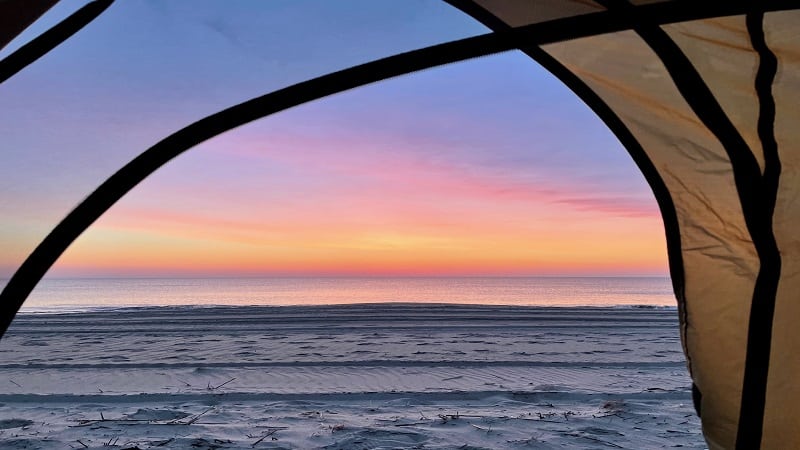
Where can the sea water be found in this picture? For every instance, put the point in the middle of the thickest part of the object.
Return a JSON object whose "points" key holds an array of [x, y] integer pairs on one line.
{"points": [[82, 294]]}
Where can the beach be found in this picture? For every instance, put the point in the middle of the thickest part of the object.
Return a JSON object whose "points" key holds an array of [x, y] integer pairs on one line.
{"points": [[366, 376]]}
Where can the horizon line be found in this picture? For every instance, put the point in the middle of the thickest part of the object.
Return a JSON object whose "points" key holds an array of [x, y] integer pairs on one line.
{"points": [[191, 277]]}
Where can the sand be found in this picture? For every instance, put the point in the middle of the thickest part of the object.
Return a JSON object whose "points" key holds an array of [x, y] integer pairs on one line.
{"points": [[378, 376]]}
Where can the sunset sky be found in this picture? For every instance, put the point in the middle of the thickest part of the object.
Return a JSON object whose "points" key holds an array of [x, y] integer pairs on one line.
{"points": [[487, 167]]}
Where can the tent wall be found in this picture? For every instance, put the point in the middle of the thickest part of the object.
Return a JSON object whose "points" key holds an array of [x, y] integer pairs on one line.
{"points": [[697, 98], [720, 261]]}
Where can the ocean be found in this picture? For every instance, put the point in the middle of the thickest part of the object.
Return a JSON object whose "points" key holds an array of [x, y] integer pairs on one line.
{"points": [[65, 295], [347, 363]]}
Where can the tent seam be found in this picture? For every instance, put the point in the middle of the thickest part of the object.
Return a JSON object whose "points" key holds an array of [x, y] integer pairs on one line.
{"points": [[759, 339]]}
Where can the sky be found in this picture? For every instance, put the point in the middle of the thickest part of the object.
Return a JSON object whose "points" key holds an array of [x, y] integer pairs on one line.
{"points": [[488, 167]]}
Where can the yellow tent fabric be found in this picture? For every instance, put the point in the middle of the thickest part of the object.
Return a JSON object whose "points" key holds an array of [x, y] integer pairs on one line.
{"points": [[708, 108]]}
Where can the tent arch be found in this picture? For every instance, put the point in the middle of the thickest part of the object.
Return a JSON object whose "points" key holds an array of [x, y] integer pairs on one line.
{"points": [[117, 185]]}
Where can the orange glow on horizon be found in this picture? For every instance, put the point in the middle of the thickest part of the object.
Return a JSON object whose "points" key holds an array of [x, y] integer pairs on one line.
{"points": [[582, 243]]}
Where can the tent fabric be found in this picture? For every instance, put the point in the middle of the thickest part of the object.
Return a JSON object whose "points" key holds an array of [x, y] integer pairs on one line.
{"points": [[699, 98], [713, 233], [516, 13], [704, 99]]}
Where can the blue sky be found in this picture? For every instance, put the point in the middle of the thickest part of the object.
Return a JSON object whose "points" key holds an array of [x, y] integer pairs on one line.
{"points": [[490, 162]]}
